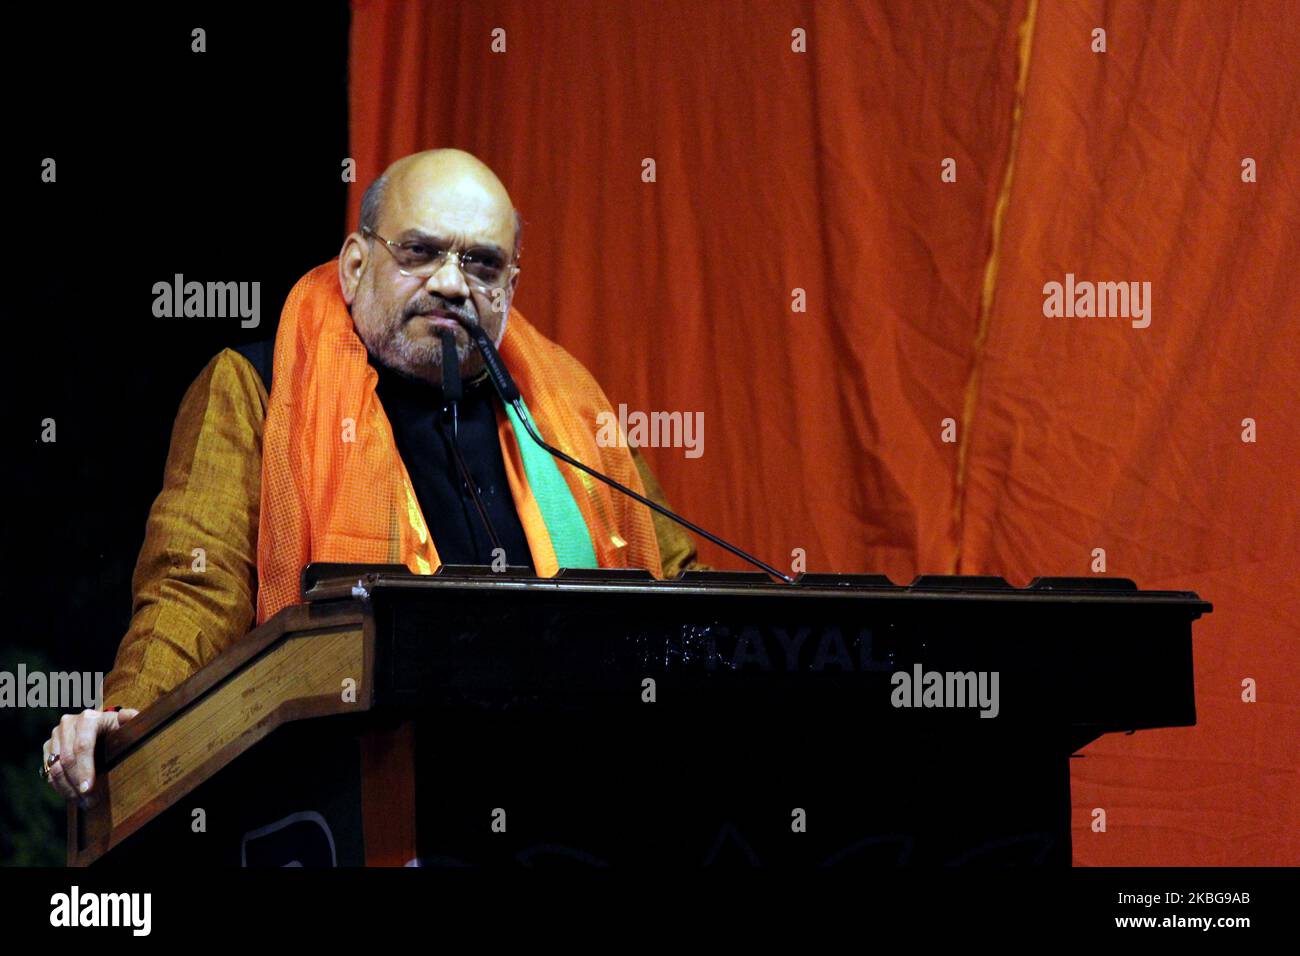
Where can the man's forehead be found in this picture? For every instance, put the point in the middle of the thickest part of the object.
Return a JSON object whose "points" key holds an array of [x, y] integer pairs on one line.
{"points": [[447, 205]]}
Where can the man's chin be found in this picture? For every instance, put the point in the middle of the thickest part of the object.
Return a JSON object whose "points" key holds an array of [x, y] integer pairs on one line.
{"points": [[423, 360]]}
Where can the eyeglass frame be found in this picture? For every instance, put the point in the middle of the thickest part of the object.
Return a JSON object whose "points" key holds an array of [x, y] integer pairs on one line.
{"points": [[511, 270]]}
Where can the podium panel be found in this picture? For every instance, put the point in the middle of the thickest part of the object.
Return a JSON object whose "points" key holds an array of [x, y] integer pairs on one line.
{"points": [[470, 719]]}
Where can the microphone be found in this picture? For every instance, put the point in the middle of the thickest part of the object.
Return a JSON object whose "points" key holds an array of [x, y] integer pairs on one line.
{"points": [[496, 369], [509, 393], [452, 390]]}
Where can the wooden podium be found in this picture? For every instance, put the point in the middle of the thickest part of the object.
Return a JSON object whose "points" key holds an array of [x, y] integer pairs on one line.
{"points": [[472, 718]]}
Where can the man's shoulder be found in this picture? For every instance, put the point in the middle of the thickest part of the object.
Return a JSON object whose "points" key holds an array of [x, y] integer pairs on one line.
{"points": [[560, 363], [231, 384]]}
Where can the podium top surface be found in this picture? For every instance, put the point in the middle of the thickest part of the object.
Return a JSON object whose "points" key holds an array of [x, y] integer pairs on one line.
{"points": [[324, 582]]}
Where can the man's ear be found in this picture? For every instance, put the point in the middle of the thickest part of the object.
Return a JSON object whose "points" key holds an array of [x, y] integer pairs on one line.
{"points": [[511, 288], [509, 303], [352, 265]]}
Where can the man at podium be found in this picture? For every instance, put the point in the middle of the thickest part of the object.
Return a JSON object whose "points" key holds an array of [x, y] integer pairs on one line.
{"points": [[341, 446]]}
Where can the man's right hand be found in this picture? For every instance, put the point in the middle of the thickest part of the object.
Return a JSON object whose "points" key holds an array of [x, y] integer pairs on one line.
{"points": [[72, 742]]}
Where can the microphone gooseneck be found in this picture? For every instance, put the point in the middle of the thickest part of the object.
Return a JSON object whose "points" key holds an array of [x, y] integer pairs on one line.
{"points": [[509, 392], [496, 369]]}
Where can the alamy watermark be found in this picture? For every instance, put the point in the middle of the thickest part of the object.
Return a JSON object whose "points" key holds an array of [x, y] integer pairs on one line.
{"points": [[922, 688], [651, 430], [209, 300], [64, 690], [130, 910], [1071, 299]]}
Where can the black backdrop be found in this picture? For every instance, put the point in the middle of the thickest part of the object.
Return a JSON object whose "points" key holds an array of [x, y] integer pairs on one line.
{"points": [[223, 166]]}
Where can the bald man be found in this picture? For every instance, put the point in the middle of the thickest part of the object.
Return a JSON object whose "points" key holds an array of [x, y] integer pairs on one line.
{"points": [[438, 243]]}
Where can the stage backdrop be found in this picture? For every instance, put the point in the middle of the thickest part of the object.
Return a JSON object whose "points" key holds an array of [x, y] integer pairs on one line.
{"points": [[828, 226]]}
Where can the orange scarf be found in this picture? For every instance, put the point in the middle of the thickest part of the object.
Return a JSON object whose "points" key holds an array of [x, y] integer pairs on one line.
{"points": [[334, 487]]}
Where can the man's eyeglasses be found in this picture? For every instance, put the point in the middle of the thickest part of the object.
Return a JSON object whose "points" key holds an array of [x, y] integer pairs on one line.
{"points": [[419, 258]]}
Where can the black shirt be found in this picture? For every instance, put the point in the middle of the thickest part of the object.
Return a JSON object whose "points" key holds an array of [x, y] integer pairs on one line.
{"points": [[423, 433]]}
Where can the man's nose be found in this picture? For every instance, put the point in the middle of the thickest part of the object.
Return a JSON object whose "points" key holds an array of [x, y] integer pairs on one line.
{"points": [[448, 281]]}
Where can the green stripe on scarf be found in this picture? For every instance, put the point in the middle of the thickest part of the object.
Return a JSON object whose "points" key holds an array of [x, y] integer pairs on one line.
{"points": [[564, 523]]}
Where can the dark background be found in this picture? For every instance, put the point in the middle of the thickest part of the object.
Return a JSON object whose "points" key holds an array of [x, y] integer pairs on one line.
{"points": [[222, 166]]}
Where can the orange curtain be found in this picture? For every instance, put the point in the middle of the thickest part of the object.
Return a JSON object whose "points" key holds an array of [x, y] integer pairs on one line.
{"points": [[799, 270]]}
